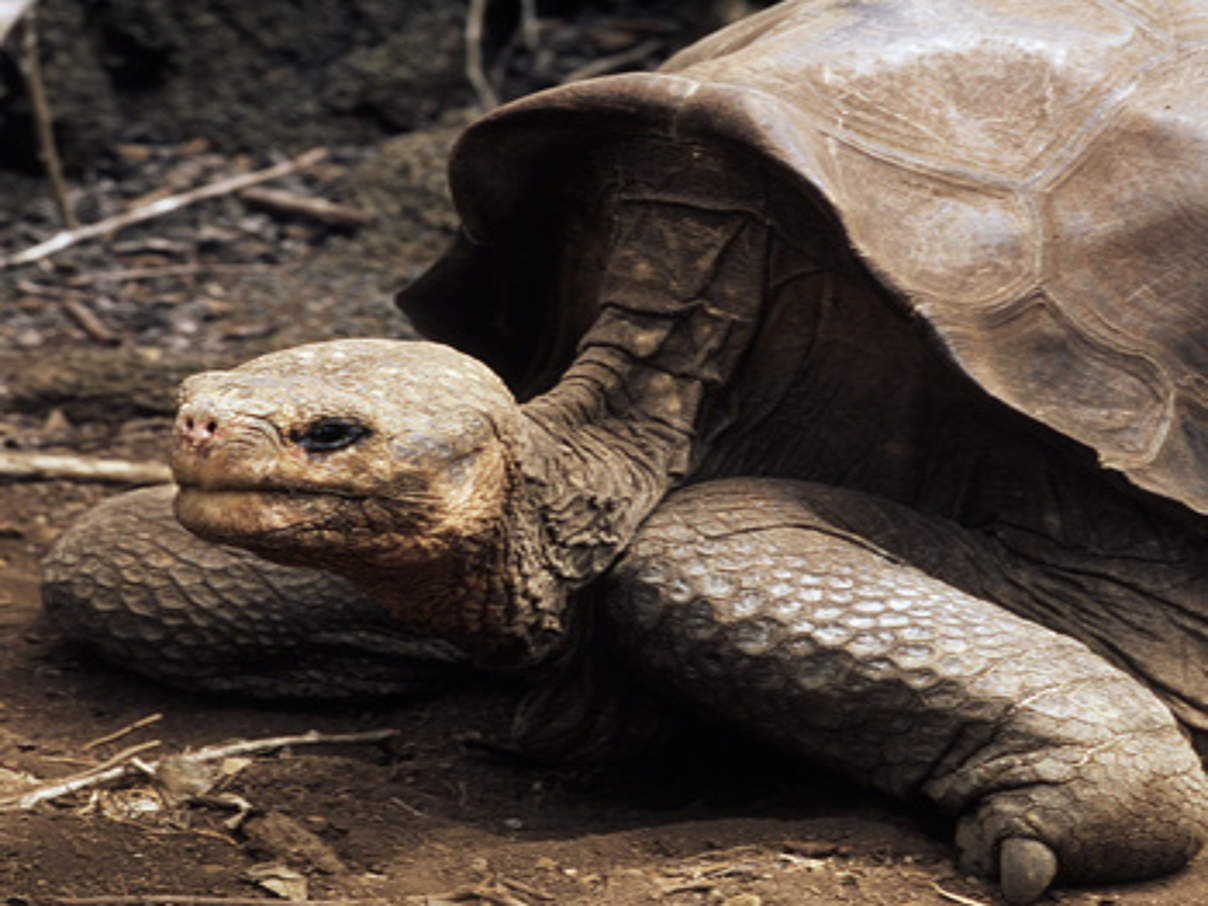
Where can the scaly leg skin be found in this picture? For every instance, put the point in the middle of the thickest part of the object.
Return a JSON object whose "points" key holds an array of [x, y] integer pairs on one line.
{"points": [[752, 606], [129, 582]]}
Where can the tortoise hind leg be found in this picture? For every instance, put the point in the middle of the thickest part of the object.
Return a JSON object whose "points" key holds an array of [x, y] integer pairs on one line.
{"points": [[128, 582], [750, 604]]}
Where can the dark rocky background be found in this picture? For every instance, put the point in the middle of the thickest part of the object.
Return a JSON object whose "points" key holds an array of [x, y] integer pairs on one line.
{"points": [[289, 74], [151, 97]]}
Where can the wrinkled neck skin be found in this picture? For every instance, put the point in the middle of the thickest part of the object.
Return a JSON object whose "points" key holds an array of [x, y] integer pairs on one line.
{"points": [[594, 474], [594, 455], [491, 595], [582, 478]]}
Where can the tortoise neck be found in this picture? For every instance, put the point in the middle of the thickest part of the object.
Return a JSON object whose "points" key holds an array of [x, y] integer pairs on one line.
{"points": [[595, 473], [679, 296], [676, 300], [491, 596]]}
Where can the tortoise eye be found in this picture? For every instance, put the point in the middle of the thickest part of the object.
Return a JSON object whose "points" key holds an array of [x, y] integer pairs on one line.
{"points": [[326, 435]]}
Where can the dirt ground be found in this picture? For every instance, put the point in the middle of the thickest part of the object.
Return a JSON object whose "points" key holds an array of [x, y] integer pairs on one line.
{"points": [[432, 815]]}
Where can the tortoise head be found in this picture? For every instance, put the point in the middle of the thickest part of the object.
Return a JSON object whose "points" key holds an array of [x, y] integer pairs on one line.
{"points": [[355, 455]]}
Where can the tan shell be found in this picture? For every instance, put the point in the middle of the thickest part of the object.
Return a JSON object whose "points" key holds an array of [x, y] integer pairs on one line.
{"points": [[1030, 175]]}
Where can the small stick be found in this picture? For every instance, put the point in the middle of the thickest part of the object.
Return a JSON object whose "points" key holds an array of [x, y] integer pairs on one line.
{"points": [[155, 244], [88, 321], [310, 737], [41, 289], [487, 97], [131, 763], [67, 759], [956, 897], [123, 731], [98, 775], [130, 754], [521, 887], [42, 119], [215, 835], [68, 238], [320, 209], [530, 29], [608, 64], [407, 807], [42, 466], [152, 273]]}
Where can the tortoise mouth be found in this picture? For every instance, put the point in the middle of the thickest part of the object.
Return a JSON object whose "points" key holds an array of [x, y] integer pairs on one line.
{"points": [[276, 517], [238, 468], [268, 488], [264, 518]]}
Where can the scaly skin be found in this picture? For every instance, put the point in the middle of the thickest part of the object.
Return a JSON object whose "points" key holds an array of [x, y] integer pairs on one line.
{"points": [[749, 603], [129, 581]]}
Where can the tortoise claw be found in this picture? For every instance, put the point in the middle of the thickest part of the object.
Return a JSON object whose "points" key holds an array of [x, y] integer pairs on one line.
{"points": [[1026, 868]]}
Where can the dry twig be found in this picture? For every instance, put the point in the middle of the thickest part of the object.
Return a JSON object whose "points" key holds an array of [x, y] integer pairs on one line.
{"points": [[521, 887], [129, 753], [530, 28], [602, 65], [68, 238], [147, 273], [310, 737], [41, 289], [40, 466], [130, 762], [487, 97], [340, 215], [88, 321], [102, 773], [956, 897], [123, 731], [32, 69], [408, 807]]}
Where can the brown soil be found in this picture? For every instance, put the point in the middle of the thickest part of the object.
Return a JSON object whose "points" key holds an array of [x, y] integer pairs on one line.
{"points": [[435, 815]]}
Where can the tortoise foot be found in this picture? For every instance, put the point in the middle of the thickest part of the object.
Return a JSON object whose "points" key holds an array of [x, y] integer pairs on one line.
{"points": [[1026, 869], [1079, 804]]}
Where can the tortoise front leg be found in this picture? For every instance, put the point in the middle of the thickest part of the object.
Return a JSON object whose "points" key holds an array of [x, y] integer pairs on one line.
{"points": [[750, 604], [128, 582]]}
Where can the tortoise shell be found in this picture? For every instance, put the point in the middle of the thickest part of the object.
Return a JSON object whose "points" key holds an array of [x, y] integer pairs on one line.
{"points": [[1030, 178]]}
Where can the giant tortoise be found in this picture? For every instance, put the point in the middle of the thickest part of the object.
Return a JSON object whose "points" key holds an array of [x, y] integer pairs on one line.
{"points": [[861, 357]]}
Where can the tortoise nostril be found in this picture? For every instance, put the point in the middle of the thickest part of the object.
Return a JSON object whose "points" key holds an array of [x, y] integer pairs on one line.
{"points": [[196, 430]]}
